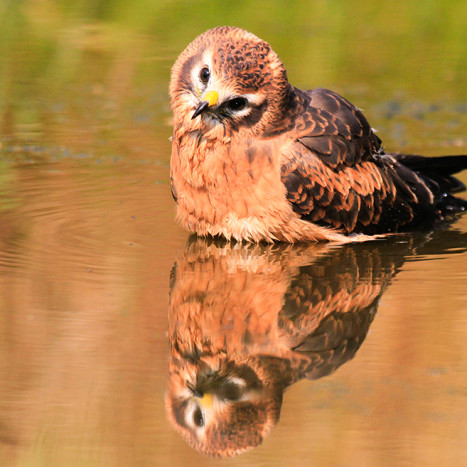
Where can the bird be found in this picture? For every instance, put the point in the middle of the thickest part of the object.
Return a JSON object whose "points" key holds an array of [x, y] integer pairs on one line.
{"points": [[246, 321], [256, 159]]}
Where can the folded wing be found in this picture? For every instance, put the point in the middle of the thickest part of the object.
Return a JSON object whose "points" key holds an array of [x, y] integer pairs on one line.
{"points": [[337, 174]]}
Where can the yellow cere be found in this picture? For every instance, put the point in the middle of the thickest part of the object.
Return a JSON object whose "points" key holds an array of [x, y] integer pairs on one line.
{"points": [[212, 97], [206, 401]]}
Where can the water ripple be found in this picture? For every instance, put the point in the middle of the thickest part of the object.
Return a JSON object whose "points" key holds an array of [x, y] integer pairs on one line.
{"points": [[67, 218]]}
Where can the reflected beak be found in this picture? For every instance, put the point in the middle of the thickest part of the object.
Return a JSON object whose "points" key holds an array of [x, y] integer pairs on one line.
{"points": [[206, 401], [209, 99]]}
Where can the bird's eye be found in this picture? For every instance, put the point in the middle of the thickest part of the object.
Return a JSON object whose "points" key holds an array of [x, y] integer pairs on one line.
{"points": [[231, 391], [204, 75], [198, 417], [239, 103]]}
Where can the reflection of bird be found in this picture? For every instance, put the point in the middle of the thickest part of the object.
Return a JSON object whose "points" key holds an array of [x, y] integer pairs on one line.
{"points": [[255, 158], [247, 322]]}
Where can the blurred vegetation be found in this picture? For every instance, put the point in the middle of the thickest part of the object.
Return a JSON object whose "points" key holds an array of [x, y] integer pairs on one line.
{"points": [[83, 73]]}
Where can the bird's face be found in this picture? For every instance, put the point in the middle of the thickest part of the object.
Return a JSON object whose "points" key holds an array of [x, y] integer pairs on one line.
{"points": [[228, 78], [220, 407]]}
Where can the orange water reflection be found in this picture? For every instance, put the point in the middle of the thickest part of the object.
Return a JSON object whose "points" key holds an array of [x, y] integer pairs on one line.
{"points": [[86, 251], [247, 322]]}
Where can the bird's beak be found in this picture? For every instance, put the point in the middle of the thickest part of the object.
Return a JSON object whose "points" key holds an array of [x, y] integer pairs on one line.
{"points": [[206, 401], [208, 99]]}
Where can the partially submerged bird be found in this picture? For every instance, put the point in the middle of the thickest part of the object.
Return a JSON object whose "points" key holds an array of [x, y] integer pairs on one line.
{"points": [[256, 159]]}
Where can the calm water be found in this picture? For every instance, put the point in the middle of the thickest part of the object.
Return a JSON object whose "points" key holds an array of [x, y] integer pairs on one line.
{"points": [[90, 253]]}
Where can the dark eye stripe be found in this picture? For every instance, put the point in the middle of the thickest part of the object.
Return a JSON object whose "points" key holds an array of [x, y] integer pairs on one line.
{"points": [[254, 115]]}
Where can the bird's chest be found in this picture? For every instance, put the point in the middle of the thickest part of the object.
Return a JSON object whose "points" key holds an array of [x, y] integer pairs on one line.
{"points": [[215, 179]]}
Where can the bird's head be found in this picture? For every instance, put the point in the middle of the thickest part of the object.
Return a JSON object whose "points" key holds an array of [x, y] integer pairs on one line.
{"points": [[228, 78], [221, 407]]}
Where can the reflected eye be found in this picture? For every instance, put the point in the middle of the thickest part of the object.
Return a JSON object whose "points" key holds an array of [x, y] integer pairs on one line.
{"points": [[231, 391], [198, 417], [204, 75], [239, 103]]}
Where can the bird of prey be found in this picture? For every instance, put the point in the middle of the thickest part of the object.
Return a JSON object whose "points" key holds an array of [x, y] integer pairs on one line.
{"points": [[246, 321], [257, 159]]}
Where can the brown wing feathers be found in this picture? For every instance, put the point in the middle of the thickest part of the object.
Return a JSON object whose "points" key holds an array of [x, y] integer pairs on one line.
{"points": [[371, 197], [340, 135], [340, 199], [339, 176]]}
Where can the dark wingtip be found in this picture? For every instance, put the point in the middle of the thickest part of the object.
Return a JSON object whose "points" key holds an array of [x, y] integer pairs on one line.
{"points": [[200, 109]]}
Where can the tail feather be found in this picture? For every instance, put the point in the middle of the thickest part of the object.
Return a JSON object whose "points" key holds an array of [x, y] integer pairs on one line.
{"points": [[437, 173], [450, 205], [441, 165]]}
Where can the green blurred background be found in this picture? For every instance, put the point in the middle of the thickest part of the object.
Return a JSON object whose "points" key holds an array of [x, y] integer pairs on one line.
{"points": [[92, 75]]}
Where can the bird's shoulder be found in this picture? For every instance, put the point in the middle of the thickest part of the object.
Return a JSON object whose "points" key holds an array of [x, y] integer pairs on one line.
{"points": [[333, 128], [335, 170]]}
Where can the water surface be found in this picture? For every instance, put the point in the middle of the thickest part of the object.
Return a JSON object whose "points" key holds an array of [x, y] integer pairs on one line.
{"points": [[90, 253]]}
